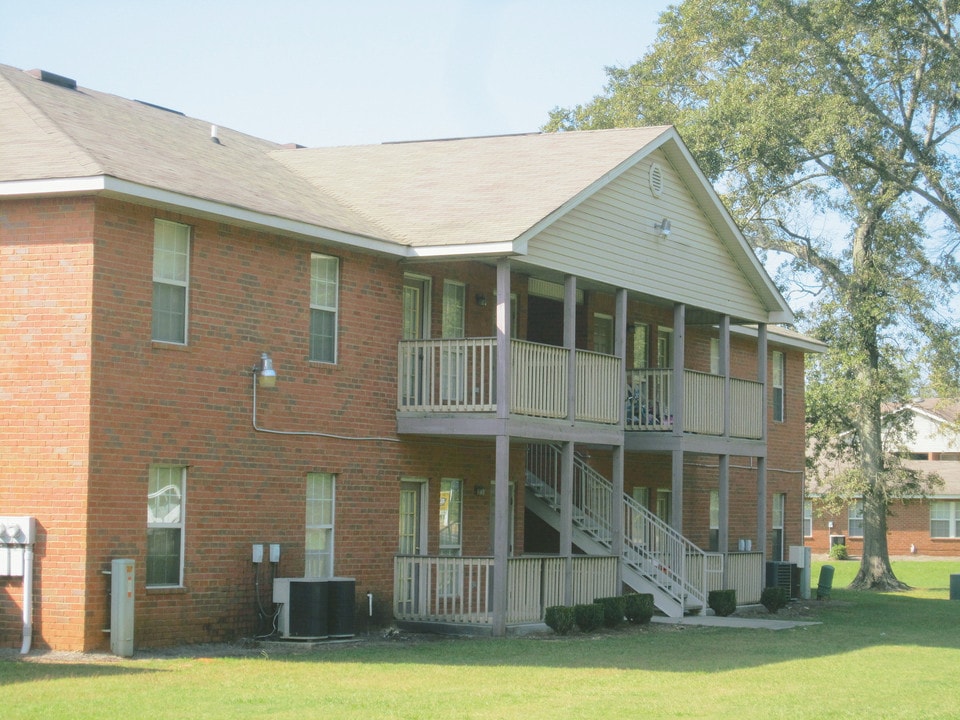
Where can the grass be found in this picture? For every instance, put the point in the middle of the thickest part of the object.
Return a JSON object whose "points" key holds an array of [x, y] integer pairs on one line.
{"points": [[874, 655]]}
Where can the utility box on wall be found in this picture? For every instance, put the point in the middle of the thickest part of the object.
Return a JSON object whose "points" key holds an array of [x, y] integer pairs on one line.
{"points": [[121, 607], [16, 534]]}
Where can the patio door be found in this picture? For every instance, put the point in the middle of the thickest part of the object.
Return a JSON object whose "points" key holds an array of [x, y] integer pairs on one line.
{"points": [[451, 536], [416, 325], [453, 371], [413, 541]]}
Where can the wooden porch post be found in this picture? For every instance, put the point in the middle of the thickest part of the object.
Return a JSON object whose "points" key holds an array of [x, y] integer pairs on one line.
{"points": [[567, 450], [501, 523], [616, 503], [676, 407], [725, 371], [501, 528], [723, 541], [762, 461]]}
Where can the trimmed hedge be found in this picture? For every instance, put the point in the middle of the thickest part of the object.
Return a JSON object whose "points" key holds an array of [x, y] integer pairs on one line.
{"points": [[638, 607], [773, 598], [559, 618], [614, 609], [588, 616], [722, 602]]}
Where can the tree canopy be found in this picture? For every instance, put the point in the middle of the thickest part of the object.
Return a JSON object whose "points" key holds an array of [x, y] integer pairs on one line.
{"points": [[830, 128]]}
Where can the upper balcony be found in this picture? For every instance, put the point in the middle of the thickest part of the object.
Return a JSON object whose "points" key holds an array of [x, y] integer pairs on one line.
{"points": [[451, 377]]}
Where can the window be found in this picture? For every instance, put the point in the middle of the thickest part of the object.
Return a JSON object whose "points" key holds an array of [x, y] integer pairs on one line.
{"points": [[779, 511], [603, 333], [171, 280], [855, 519], [664, 347], [778, 371], [944, 518], [450, 516], [449, 576], [808, 518], [641, 345], [714, 521], [454, 304], [665, 505], [324, 292], [318, 547], [165, 497], [715, 356]]}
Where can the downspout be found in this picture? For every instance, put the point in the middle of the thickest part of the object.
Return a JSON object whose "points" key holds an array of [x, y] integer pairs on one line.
{"points": [[27, 599]]}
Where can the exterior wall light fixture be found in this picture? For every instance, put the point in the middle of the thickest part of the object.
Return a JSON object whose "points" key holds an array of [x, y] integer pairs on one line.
{"points": [[664, 227], [266, 375]]}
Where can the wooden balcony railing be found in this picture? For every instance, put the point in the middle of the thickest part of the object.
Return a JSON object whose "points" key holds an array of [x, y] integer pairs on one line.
{"points": [[459, 375], [650, 407], [458, 589]]}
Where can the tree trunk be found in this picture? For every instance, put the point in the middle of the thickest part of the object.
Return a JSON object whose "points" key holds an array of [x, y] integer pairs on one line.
{"points": [[875, 572]]}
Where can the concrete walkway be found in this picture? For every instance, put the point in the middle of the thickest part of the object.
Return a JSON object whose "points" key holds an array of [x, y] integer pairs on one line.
{"points": [[732, 621]]}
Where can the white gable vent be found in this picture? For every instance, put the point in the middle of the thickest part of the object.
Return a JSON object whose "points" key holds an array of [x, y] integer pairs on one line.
{"points": [[656, 179]]}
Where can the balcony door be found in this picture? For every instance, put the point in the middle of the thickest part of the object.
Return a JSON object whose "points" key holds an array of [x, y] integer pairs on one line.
{"points": [[412, 540], [416, 326], [453, 371]]}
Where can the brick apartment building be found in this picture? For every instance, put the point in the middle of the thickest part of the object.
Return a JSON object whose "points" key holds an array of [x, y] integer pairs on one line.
{"points": [[916, 526], [478, 376]]}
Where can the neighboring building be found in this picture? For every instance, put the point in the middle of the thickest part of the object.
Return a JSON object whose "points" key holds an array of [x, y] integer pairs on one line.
{"points": [[453, 330], [919, 526]]}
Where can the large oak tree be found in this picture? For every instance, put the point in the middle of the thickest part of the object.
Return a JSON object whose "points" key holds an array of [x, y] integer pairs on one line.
{"points": [[830, 126]]}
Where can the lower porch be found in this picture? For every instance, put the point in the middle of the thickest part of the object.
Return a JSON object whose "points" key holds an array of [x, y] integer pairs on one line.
{"points": [[457, 592]]}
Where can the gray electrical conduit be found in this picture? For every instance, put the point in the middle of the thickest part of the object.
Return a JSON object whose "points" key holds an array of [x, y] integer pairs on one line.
{"points": [[307, 432]]}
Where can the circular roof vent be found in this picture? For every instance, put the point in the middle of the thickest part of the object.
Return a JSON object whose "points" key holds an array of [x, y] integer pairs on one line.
{"points": [[656, 179]]}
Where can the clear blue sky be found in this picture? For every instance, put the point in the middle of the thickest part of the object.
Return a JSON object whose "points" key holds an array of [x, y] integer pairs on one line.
{"points": [[337, 72]]}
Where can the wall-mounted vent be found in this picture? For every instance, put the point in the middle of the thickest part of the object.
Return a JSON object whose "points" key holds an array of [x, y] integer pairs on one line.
{"points": [[53, 79], [656, 179]]}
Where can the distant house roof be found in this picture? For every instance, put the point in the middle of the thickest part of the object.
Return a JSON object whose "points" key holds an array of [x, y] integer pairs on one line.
{"points": [[474, 196], [933, 437]]}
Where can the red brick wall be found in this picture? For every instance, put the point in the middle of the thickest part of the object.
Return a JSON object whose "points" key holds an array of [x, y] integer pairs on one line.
{"points": [[908, 532], [94, 403], [46, 263]]}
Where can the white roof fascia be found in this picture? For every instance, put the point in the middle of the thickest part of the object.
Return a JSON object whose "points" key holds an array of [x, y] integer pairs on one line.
{"points": [[115, 187], [469, 250], [809, 345]]}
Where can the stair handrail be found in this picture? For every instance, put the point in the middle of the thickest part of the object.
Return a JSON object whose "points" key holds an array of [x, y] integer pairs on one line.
{"points": [[651, 546]]}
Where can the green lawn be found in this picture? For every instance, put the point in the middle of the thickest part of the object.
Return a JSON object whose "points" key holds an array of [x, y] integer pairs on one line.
{"points": [[874, 655]]}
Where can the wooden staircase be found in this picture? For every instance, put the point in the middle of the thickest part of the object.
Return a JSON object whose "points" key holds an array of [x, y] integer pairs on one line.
{"points": [[656, 558]]}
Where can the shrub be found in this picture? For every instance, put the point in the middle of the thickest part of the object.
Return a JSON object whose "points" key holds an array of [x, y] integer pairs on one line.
{"points": [[559, 618], [588, 616], [638, 607], [722, 602], [773, 598], [839, 552], [613, 609]]}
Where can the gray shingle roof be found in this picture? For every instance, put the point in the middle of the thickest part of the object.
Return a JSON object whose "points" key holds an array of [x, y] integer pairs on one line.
{"points": [[474, 190]]}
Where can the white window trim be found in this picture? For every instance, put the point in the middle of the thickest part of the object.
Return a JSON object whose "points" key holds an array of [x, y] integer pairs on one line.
{"points": [[779, 371], [185, 283], [855, 505], [952, 519], [334, 309], [181, 524], [331, 526]]}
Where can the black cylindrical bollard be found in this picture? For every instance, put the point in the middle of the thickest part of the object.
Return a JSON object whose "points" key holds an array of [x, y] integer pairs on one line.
{"points": [[825, 583]]}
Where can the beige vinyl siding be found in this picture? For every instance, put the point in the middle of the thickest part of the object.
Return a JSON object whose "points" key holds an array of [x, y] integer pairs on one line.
{"points": [[613, 232]]}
